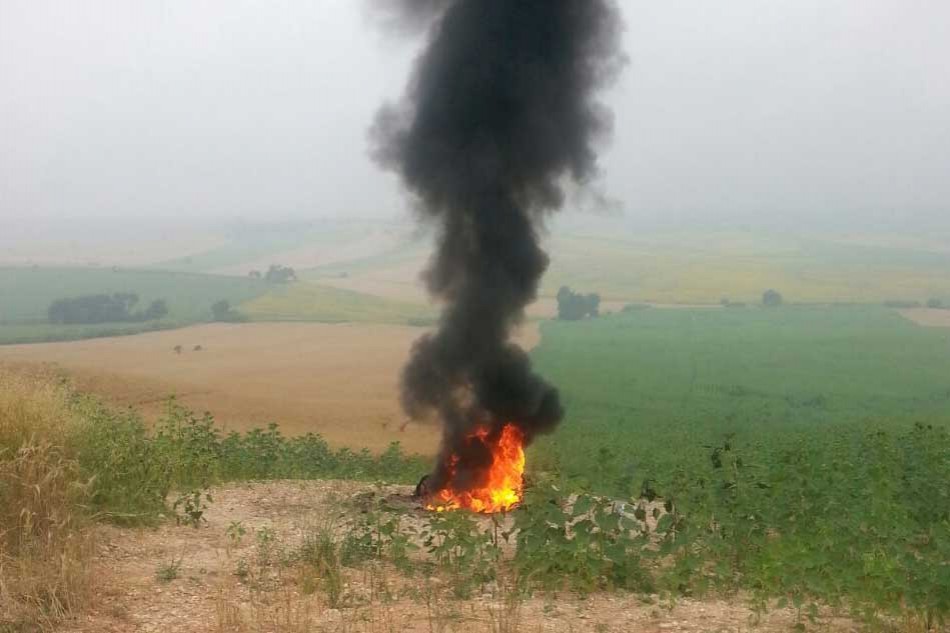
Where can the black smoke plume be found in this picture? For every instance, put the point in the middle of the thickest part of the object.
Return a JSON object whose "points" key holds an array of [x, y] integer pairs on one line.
{"points": [[499, 115]]}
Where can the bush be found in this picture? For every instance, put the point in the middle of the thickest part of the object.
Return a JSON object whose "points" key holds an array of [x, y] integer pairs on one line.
{"points": [[935, 303], [573, 306], [278, 274], [222, 311], [771, 298]]}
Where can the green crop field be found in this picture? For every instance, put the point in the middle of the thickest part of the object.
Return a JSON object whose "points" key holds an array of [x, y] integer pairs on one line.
{"points": [[639, 381], [799, 452], [26, 293]]}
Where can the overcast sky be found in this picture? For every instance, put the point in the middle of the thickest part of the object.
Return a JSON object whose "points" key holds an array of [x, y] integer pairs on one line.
{"points": [[792, 110]]}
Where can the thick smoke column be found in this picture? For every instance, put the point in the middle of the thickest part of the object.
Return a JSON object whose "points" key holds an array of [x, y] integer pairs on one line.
{"points": [[500, 110]]}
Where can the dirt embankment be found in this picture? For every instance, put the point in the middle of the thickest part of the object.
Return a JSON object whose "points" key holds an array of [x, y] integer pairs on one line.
{"points": [[236, 573]]}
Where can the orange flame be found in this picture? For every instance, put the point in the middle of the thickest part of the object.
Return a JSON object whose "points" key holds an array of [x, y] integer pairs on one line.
{"points": [[503, 484]]}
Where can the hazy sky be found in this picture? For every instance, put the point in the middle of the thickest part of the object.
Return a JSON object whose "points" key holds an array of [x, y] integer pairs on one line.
{"points": [[781, 109]]}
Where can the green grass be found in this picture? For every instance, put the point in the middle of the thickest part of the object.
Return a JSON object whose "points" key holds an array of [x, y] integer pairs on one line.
{"points": [[28, 292], [304, 301]]}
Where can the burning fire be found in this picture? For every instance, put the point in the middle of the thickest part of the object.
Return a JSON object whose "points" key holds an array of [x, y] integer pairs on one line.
{"points": [[501, 487]]}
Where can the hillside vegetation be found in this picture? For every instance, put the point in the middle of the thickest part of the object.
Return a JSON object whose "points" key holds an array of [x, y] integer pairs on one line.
{"points": [[771, 456], [28, 294], [66, 462]]}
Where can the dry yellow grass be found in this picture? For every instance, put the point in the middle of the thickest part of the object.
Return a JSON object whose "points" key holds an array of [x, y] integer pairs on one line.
{"points": [[43, 547]]}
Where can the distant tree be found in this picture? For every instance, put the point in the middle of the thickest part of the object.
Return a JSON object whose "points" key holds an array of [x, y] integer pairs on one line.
{"points": [[254, 274], [771, 298], [222, 311], [177, 349], [197, 348], [280, 274], [573, 306], [935, 303], [101, 308], [104, 308], [156, 310], [724, 302]]}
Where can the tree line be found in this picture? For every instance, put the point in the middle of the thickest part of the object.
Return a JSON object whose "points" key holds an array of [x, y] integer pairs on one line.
{"points": [[573, 306], [104, 308], [276, 274]]}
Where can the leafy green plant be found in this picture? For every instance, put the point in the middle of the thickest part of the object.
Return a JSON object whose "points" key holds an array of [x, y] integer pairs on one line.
{"points": [[168, 571], [190, 507], [460, 547], [583, 543]]}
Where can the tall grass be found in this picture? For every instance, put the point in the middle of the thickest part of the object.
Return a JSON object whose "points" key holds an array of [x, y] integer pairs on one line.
{"points": [[66, 461], [44, 548]]}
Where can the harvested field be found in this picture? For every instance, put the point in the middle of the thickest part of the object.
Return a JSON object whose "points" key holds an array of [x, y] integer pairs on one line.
{"points": [[928, 317], [340, 381]]}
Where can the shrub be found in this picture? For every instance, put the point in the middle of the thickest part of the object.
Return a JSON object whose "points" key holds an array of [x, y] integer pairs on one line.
{"points": [[771, 298], [222, 311], [573, 306]]}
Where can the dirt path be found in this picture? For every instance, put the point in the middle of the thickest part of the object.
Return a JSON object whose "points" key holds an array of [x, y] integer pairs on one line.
{"points": [[225, 583]]}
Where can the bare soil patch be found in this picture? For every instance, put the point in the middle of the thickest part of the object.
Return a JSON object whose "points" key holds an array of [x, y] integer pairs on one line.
{"points": [[211, 593], [341, 381], [928, 317]]}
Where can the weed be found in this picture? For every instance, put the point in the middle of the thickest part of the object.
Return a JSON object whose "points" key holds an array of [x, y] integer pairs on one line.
{"points": [[190, 507], [168, 571], [320, 555]]}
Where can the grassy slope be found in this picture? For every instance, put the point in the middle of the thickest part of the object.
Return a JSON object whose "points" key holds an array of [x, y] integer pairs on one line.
{"points": [[27, 293], [304, 301], [644, 381]]}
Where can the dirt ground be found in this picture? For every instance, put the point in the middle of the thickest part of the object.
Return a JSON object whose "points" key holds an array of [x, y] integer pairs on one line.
{"points": [[222, 581], [340, 381]]}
